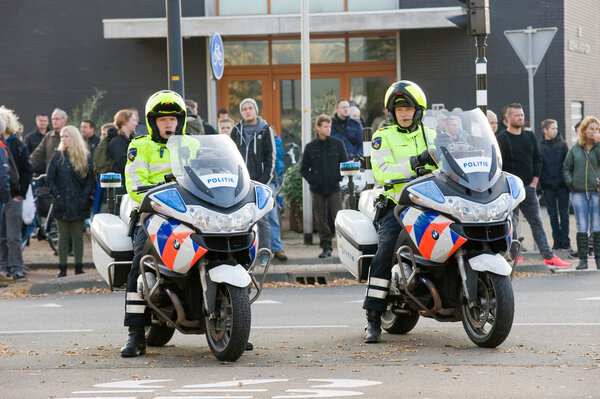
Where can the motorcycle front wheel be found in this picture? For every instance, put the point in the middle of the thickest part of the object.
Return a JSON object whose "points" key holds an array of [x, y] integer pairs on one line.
{"points": [[227, 333], [488, 323]]}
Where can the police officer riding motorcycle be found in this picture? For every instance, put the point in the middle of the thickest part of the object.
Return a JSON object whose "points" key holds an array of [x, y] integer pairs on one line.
{"points": [[397, 151]]}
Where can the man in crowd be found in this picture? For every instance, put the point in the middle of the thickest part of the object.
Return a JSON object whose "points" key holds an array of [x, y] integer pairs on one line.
{"points": [[521, 157], [11, 252], [254, 139], [347, 129], [222, 114], [88, 132], [195, 124], [321, 169], [33, 139], [42, 155]]}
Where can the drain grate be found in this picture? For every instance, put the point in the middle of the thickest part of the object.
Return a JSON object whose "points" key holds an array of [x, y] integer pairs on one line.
{"points": [[310, 278]]}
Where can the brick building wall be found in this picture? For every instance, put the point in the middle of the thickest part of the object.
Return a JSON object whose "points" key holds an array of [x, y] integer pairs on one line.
{"points": [[54, 54], [582, 57]]}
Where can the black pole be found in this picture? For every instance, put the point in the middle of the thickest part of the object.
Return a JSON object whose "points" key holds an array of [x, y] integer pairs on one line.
{"points": [[174, 46], [481, 72]]}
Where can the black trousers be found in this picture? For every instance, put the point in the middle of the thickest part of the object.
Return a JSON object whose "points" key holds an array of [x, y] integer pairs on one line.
{"points": [[136, 311]]}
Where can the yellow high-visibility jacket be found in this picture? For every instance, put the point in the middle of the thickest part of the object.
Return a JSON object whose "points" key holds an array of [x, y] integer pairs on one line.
{"points": [[390, 155], [147, 163]]}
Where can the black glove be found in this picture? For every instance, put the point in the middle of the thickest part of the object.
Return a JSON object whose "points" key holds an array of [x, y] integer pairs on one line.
{"points": [[422, 159]]}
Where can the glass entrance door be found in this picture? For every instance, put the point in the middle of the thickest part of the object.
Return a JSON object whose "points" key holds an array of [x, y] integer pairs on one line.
{"points": [[324, 92], [236, 88]]}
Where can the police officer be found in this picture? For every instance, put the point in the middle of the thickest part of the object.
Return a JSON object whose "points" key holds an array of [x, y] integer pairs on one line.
{"points": [[396, 152], [147, 163]]}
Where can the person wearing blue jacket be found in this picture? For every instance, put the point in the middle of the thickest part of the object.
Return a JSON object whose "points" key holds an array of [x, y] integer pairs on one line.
{"points": [[553, 150], [347, 129]]}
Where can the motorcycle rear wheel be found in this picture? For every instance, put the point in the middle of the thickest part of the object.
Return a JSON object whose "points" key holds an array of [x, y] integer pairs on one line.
{"points": [[227, 334], [489, 322], [158, 334], [395, 323]]}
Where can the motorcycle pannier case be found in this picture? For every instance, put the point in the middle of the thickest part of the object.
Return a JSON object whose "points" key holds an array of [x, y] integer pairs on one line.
{"points": [[112, 249], [356, 242]]}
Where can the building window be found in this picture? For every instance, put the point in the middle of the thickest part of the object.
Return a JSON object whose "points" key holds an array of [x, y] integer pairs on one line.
{"points": [[371, 49], [247, 53], [370, 5], [576, 117], [243, 7], [293, 6]]}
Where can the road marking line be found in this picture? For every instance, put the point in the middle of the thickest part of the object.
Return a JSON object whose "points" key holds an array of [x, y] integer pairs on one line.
{"points": [[114, 391], [199, 397], [266, 302], [556, 324], [288, 327], [43, 331], [594, 298], [44, 305], [219, 390]]}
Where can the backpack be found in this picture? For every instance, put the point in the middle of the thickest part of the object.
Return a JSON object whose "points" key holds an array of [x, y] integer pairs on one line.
{"points": [[103, 163], [13, 173]]}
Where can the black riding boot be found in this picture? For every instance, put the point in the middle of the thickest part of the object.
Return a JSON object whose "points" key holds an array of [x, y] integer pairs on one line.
{"points": [[79, 268], [62, 271], [136, 342], [582, 248], [596, 237], [373, 328]]}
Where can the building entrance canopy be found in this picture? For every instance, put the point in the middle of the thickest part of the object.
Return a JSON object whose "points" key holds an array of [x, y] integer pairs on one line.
{"points": [[284, 24]]}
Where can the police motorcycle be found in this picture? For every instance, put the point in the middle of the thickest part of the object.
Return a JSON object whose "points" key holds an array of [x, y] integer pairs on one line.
{"points": [[197, 272], [449, 261]]}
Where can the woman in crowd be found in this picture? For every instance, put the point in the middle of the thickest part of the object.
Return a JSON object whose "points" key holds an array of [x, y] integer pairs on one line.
{"points": [[71, 181], [581, 169], [125, 121]]}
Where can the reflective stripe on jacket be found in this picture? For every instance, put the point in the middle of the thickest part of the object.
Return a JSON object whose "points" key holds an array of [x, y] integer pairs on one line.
{"points": [[146, 164], [390, 156]]}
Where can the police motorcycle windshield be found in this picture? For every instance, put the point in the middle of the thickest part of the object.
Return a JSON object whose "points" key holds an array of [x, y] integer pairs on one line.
{"points": [[464, 147], [210, 167]]}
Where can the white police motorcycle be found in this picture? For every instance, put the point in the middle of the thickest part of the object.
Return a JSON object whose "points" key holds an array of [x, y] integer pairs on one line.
{"points": [[449, 261], [197, 270]]}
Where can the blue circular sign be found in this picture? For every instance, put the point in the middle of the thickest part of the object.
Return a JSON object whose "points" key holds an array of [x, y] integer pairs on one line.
{"points": [[217, 55]]}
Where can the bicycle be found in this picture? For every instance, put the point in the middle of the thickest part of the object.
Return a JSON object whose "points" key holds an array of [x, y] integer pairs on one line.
{"points": [[46, 224]]}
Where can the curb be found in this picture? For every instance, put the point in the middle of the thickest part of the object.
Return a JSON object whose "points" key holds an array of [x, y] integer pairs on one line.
{"points": [[56, 285]]}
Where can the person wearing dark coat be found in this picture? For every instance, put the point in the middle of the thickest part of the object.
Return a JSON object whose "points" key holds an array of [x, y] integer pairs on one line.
{"points": [[71, 181], [11, 252], [125, 121], [321, 169], [553, 150], [347, 129]]}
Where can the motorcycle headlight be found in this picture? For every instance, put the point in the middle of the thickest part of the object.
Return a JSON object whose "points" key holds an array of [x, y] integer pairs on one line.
{"points": [[472, 211], [209, 221]]}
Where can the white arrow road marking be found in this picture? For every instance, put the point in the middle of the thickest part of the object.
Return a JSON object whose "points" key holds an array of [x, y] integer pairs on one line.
{"points": [[266, 302], [316, 393], [341, 383], [43, 331], [593, 298], [132, 384], [235, 383]]}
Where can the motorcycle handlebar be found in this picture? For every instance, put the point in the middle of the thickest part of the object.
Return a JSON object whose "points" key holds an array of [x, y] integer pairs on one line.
{"points": [[420, 172], [141, 189]]}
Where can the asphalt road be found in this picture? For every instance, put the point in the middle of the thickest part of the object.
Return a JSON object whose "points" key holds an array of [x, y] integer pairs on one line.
{"points": [[308, 343]]}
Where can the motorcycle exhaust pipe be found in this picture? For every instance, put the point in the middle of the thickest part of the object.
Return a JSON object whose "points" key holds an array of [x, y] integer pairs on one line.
{"points": [[181, 320], [437, 300]]}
